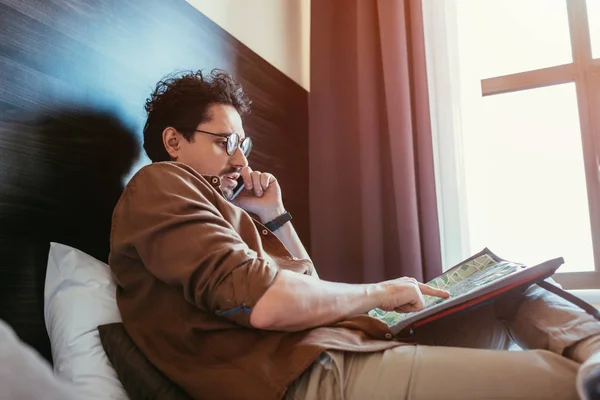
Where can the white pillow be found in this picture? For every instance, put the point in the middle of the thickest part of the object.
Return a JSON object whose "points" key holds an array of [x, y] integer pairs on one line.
{"points": [[24, 374], [79, 295]]}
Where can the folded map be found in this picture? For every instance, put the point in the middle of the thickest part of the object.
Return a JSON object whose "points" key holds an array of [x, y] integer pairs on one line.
{"points": [[479, 278]]}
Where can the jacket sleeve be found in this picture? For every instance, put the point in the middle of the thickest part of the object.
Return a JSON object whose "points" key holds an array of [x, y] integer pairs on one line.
{"points": [[169, 218]]}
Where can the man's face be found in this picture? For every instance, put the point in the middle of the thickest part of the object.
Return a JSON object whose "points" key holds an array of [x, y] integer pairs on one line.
{"points": [[207, 154]]}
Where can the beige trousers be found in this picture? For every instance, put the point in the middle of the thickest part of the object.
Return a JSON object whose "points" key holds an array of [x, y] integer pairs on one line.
{"points": [[465, 357]]}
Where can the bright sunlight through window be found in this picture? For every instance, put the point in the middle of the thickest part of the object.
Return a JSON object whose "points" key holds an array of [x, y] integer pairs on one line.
{"points": [[593, 11], [524, 174]]}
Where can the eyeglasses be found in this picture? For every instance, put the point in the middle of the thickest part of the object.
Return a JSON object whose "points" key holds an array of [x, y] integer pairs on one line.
{"points": [[233, 142]]}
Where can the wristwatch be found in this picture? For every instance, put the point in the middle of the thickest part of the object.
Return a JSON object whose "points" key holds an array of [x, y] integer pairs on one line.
{"points": [[279, 221]]}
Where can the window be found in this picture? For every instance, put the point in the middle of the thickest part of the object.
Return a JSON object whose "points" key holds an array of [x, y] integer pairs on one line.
{"points": [[593, 12], [515, 105]]}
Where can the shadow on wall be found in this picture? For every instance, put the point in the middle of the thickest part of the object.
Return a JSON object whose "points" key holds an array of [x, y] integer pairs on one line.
{"points": [[61, 173]]}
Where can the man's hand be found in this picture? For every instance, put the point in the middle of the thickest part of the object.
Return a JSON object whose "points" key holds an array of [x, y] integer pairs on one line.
{"points": [[261, 195], [406, 294]]}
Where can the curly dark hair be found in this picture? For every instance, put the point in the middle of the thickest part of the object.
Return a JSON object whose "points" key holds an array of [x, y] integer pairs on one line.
{"points": [[182, 100]]}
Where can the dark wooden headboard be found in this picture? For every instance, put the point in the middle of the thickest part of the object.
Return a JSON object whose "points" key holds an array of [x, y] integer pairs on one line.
{"points": [[74, 75]]}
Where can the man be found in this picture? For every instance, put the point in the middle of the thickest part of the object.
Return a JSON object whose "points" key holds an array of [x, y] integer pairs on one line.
{"points": [[231, 307]]}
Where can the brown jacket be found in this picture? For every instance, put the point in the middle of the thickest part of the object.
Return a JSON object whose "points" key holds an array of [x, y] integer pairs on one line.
{"points": [[190, 266]]}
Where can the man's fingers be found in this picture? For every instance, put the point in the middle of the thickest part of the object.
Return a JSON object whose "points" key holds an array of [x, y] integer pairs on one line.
{"points": [[408, 308], [258, 189], [246, 175], [413, 306], [431, 291], [265, 179]]}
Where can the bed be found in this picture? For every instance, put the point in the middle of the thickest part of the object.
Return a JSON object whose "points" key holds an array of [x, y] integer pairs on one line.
{"points": [[73, 79]]}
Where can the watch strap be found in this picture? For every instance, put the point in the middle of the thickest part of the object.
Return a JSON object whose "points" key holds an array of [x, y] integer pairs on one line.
{"points": [[279, 221]]}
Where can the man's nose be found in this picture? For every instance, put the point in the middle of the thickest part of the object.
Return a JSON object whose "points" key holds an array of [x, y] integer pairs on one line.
{"points": [[239, 159]]}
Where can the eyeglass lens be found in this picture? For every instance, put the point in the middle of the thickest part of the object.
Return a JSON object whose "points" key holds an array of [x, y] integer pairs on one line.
{"points": [[234, 140]]}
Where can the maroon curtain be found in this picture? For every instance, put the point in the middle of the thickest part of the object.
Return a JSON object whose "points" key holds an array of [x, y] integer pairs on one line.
{"points": [[372, 189]]}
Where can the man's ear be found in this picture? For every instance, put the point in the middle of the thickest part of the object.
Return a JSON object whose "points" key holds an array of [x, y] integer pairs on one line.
{"points": [[171, 141]]}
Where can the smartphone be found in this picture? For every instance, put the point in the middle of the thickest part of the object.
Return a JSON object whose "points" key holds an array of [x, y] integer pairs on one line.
{"points": [[238, 188]]}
